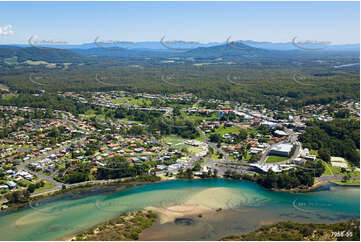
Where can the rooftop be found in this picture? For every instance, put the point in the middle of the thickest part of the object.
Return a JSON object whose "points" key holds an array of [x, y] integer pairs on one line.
{"points": [[282, 148]]}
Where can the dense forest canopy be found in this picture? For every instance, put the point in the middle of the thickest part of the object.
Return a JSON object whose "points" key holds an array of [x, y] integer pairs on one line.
{"points": [[337, 138], [252, 76]]}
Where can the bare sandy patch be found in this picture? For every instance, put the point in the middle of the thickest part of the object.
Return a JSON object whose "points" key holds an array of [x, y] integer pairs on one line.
{"points": [[204, 201], [169, 214], [214, 198]]}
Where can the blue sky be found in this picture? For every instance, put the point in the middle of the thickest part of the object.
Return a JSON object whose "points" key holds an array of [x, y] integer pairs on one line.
{"points": [[82, 22]]}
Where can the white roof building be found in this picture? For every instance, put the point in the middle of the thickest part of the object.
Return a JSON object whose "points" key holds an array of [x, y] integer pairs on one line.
{"points": [[281, 149], [270, 124], [265, 167], [280, 133]]}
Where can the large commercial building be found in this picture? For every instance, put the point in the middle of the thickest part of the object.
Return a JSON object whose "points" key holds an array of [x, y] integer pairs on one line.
{"points": [[281, 149]]}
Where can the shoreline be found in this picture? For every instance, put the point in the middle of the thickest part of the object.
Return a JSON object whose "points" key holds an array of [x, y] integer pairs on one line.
{"points": [[288, 230], [344, 185], [127, 227], [302, 190], [130, 181], [133, 181], [168, 213]]}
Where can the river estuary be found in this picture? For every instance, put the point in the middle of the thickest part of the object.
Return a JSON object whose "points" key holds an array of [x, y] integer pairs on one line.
{"points": [[212, 208]]}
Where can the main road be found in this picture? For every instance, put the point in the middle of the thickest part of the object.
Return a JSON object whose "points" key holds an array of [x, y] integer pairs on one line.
{"points": [[213, 145], [59, 185]]}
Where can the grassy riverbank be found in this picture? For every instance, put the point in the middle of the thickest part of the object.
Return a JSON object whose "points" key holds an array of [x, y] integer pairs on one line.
{"points": [[302, 189], [134, 180], [349, 231], [347, 183], [125, 227]]}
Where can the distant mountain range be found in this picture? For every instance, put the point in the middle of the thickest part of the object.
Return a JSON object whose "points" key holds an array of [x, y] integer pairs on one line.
{"points": [[183, 45], [292, 46], [229, 51]]}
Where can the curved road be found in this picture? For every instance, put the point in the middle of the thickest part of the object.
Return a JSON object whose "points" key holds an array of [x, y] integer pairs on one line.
{"points": [[213, 145]]}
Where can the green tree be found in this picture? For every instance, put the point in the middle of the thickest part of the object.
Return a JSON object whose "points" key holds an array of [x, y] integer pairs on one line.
{"points": [[324, 154], [31, 188], [215, 138]]}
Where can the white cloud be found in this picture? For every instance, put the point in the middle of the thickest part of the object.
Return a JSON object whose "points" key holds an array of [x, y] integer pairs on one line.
{"points": [[7, 30]]}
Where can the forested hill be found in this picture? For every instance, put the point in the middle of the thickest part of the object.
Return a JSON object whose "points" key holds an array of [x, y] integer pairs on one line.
{"points": [[229, 49], [50, 55], [337, 138], [237, 72]]}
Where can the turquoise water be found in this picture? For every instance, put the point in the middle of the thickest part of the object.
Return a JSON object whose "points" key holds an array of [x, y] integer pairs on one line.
{"points": [[60, 217]]}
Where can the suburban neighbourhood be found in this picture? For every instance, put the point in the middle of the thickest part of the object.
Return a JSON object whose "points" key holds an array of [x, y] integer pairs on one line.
{"points": [[45, 151]]}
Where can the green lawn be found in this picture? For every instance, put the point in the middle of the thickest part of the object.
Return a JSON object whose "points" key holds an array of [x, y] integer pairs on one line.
{"points": [[349, 182], [91, 113], [199, 138], [355, 174], [24, 183], [47, 185], [248, 156], [174, 140], [132, 101], [179, 105], [214, 155], [120, 101], [140, 102], [194, 118], [224, 130], [193, 150], [252, 131], [336, 171], [329, 170], [275, 159], [178, 143], [9, 97]]}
